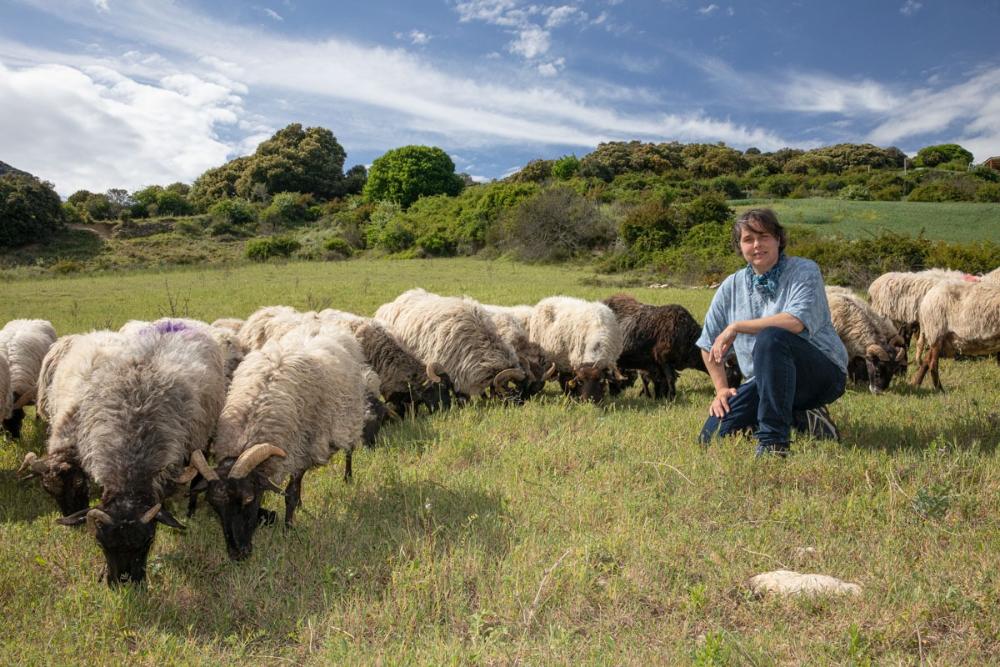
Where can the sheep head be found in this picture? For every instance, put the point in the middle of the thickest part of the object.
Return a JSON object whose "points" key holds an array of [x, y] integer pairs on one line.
{"points": [[63, 480]]}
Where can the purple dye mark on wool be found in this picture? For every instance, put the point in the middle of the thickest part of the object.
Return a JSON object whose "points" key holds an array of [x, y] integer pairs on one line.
{"points": [[170, 326]]}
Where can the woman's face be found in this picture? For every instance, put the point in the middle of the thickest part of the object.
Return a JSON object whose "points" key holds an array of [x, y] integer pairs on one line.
{"points": [[759, 248]]}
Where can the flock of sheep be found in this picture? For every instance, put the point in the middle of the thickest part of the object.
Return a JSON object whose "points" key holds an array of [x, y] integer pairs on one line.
{"points": [[231, 409]]}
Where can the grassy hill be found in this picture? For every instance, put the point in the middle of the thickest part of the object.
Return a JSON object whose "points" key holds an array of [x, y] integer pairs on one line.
{"points": [[958, 222], [553, 533]]}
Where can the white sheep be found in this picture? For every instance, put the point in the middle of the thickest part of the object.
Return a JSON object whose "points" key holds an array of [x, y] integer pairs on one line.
{"points": [[459, 335], [992, 277], [875, 351], [256, 329], [897, 296], [958, 317], [583, 338], [6, 396], [24, 343], [227, 339], [292, 403]]}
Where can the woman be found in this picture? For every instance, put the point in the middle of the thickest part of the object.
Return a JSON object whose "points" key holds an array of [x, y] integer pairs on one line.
{"points": [[774, 314]]}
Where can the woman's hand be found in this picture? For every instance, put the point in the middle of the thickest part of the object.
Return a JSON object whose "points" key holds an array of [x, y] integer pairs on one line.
{"points": [[723, 343], [720, 404]]}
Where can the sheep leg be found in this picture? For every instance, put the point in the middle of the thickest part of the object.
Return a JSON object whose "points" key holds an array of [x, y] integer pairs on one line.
{"points": [[293, 496], [918, 379], [935, 354], [13, 424], [348, 472], [193, 496]]}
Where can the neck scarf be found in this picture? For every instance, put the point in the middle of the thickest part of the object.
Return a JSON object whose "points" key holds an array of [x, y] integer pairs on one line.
{"points": [[766, 283]]}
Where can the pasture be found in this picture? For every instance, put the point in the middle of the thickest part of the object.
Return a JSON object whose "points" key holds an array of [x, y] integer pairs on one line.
{"points": [[956, 222], [553, 533]]}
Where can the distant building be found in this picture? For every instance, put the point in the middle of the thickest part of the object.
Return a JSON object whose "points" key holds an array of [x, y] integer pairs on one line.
{"points": [[993, 163]]}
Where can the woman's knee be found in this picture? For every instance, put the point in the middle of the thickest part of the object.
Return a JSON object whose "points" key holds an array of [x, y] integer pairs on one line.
{"points": [[770, 339]]}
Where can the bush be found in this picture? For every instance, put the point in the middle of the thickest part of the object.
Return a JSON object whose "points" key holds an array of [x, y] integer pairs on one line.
{"points": [[855, 193], [566, 167], [237, 212], [287, 209], [403, 175], [988, 192], [727, 186], [649, 227], [958, 189], [339, 246], [263, 249], [189, 227], [554, 225], [30, 210], [708, 208]]}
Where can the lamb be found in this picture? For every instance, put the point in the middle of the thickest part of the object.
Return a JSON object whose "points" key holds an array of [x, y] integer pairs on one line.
{"points": [[659, 341], [875, 351], [459, 335], [584, 340], [139, 405], [291, 404], [512, 325], [897, 296], [227, 339], [23, 343], [958, 317]]}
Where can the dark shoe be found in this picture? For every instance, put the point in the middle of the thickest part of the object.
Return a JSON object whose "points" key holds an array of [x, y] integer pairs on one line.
{"points": [[773, 449], [817, 423]]}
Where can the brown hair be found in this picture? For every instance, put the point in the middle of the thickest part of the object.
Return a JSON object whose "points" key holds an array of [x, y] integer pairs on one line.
{"points": [[759, 220]]}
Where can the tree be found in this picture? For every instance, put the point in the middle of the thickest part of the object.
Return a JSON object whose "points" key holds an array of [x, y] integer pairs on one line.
{"points": [[405, 174], [30, 210], [310, 161], [932, 156]]}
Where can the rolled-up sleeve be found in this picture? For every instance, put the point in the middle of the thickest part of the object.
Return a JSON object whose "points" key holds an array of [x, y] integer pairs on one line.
{"points": [[715, 318], [806, 299]]}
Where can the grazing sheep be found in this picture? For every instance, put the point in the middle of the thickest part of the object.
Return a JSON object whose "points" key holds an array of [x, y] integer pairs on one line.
{"points": [[256, 329], [897, 296], [23, 343], [875, 352], [6, 396], [140, 404], [584, 340], [992, 277], [457, 334], [232, 323], [658, 342], [958, 317], [512, 325], [227, 339], [291, 404]]}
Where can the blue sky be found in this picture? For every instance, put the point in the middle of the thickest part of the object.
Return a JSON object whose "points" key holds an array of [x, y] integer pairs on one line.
{"points": [[113, 93]]}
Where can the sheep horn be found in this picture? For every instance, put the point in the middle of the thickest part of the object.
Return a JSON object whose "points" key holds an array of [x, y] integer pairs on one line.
{"points": [[433, 370], [96, 516], [150, 513], [33, 465], [877, 351], [506, 375], [617, 373], [26, 397], [551, 373], [199, 463], [252, 458], [900, 354], [897, 341]]}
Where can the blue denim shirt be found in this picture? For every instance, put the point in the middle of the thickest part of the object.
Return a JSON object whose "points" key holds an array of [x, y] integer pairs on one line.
{"points": [[800, 294]]}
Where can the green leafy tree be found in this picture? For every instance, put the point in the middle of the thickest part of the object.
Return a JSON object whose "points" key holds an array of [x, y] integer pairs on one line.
{"points": [[932, 156], [566, 167], [405, 174], [30, 210], [651, 226], [218, 183], [295, 160]]}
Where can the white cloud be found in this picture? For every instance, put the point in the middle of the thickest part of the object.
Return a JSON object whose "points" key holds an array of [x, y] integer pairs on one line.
{"points": [[273, 14], [710, 9], [102, 5], [419, 38], [910, 7], [552, 68], [94, 128], [530, 43], [560, 15], [820, 93]]}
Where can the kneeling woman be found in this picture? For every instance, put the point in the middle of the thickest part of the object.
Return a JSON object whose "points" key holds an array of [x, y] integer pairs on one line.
{"points": [[775, 315]]}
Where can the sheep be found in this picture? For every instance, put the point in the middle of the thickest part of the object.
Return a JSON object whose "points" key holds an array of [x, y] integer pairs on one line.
{"points": [[291, 404], [256, 329], [225, 337], [958, 317], [659, 341], [459, 335], [6, 396], [23, 343], [584, 340], [875, 350], [992, 277], [406, 382], [232, 323], [512, 325], [140, 403], [897, 296]]}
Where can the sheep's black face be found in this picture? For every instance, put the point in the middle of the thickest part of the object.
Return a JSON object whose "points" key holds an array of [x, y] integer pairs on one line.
{"points": [[437, 395], [616, 387], [589, 384], [237, 504], [68, 485], [880, 374], [125, 541], [375, 415]]}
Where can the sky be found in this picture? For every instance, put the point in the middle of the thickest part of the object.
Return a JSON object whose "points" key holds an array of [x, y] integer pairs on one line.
{"points": [[98, 94]]}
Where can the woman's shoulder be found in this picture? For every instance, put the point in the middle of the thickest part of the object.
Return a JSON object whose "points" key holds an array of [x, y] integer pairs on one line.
{"points": [[801, 265]]}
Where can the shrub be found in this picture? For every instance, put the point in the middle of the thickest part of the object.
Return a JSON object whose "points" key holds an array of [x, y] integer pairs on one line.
{"points": [[727, 186], [30, 210], [566, 167], [708, 208], [855, 193], [287, 209], [554, 225], [651, 226], [237, 212], [944, 190], [339, 246], [263, 249], [437, 244], [189, 227], [403, 175], [988, 192]]}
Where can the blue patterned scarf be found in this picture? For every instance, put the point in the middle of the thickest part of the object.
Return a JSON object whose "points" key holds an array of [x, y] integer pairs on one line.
{"points": [[767, 283]]}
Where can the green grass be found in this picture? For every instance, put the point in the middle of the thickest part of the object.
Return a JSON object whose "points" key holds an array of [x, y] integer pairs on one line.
{"points": [[554, 533], [959, 222]]}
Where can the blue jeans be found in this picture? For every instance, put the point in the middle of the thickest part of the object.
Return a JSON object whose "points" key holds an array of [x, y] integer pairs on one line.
{"points": [[790, 375]]}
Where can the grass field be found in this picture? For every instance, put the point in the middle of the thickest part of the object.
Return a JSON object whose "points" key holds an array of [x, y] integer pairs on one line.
{"points": [[960, 222], [554, 533]]}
